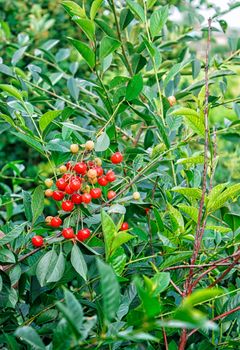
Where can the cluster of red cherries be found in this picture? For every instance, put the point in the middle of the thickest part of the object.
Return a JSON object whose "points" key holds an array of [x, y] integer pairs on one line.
{"points": [[80, 183]]}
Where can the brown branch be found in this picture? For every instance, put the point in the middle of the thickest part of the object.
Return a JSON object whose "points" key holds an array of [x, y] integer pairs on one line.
{"points": [[225, 314], [176, 287], [200, 223]]}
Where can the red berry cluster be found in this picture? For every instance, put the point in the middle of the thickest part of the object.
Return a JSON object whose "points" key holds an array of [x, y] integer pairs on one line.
{"points": [[80, 183]]}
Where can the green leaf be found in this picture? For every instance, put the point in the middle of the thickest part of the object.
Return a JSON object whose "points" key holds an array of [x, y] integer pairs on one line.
{"points": [[201, 296], [6, 256], [12, 91], [221, 229], [47, 118], [158, 20], [193, 120], [126, 18], [58, 270], [161, 280], [110, 290], [109, 231], [30, 336], [102, 143], [7, 119], [94, 8], [85, 51], [189, 193], [175, 70], [174, 259], [87, 26], [31, 142], [231, 193], [190, 211], [119, 239], [15, 233], [78, 262], [176, 218], [72, 312], [37, 203], [136, 9], [45, 267], [118, 261], [27, 204], [73, 9], [107, 46], [134, 87], [191, 160]]}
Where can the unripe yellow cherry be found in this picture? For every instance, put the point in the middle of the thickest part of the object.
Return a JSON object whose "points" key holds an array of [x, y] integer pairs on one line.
{"points": [[98, 161], [93, 181], [86, 189], [62, 169], [48, 219], [74, 148], [136, 196], [172, 100], [48, 182], [89, 145], [92, 173], [49, 192]]}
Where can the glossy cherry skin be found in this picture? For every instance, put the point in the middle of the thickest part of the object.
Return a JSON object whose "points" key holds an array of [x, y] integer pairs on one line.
{"points": [[86, 198], [83, 234], [56, 222], [124, 226], [80, 168], [75, 184], [117, 158], [111, 194], [99, 170], [67, 205], [103, 181], [37, 241], [68, 233], [76, 198], [61, 183], [69, 189], [110, 176], [96, 193], [58, 195]]}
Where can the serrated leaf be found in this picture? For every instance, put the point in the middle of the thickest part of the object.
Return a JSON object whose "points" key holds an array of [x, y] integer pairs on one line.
{"points": [[191, 160], [134, 87], [58, 270], [176, 217], [158, 20], [47, 118], [189, 193], [136, 9], [87, 26], [12, 91], [102, 143], [37, 203], [107, 46], [231, 193], [221, 229], [85, 51], [110, 290], [30, 336], [190, 211], [193, 119], [118, 261], [94, 8], [73, 9], [78, 262]]}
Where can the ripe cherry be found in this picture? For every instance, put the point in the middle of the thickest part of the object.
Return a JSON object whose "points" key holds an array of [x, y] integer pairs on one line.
{"points": [[69, 166], [110, 176], [80, 168], [69, 189], [111, 194], [58, 195], [86, 198], [96, 193], [37, 241], [76, 198], [67, 205], [117, 158], [99, 170], [75, 184], [147, 210], [61, 183], [124, 226], [83, 234], [56, 222], [68, 233], [103, 181], [48, 192], [66, 177]]}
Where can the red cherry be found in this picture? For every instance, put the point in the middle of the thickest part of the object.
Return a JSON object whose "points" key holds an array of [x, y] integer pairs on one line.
{"points": [[103, 181], [37, 241], [66, 177], [56, 222], [68, 233], [147, 210], [117, 158], [110, 176], [75, 184], [61, 183], [111, 194], [80, 168], [124, 226], [99, 170], [96, 193], [86, 198], [83, 234], [69, 166], [58, 195], [76, 198], [90, 163], [67, 205], [69, 189]]}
